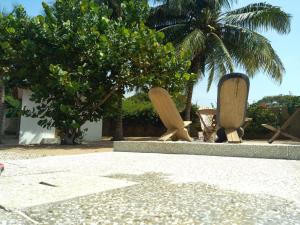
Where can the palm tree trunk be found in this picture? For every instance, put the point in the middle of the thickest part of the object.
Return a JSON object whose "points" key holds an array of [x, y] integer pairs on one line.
{"points": [[2, 108], [118, 136], [188, 106], [195, 68]]}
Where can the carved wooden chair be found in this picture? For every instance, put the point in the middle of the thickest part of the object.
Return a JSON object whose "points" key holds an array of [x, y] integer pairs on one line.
{"points": [[290, 129], [169, 115], [233, 92]]}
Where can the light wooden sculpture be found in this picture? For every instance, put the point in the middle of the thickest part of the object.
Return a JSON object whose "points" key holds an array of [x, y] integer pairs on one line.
{"points": [[169, 115], [290, 129], [209, 126], [233, 92], [208, 123]]}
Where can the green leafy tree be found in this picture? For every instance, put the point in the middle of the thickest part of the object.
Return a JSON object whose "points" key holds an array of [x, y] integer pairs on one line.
{"points": [[75, 59], [2, 94], [2, 108], [219, 38], [131, 14]]}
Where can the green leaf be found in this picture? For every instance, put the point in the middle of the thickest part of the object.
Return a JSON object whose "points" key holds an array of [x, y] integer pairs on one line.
{"points": [[11, 30]]}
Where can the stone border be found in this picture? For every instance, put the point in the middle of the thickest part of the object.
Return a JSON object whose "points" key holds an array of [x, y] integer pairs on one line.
{"points": [[248, 150]]}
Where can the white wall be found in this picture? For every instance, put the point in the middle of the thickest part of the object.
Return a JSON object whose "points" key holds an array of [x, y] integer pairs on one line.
{"points": [[94, 132], [32, 133]]}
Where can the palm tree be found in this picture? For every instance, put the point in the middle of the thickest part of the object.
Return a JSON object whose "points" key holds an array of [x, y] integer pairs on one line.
{"points": [[219, 38]]}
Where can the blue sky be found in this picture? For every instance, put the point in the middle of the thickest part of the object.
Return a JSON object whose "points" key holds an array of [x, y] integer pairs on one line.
{"points": [[286, 46]]}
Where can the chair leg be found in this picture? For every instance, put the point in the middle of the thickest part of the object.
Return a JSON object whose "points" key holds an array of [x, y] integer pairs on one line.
{"points": [[209, 136], [232, 136], [168, 134], [290, 136], [174, 138], [279, 132], [274, 136], [184, 135]]}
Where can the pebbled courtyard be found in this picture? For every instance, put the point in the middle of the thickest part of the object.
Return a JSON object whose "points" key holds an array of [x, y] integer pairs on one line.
{"points": [[135, 188]]}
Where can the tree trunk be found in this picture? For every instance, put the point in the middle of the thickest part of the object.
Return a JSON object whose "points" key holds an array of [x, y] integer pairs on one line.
{"points": [[68, 138], [188, 106], [195, 68], [2, 108], [118, 136]]}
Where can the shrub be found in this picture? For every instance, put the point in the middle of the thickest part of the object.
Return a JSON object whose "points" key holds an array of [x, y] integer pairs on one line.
{"points": [[290, 102], [138, 109], [260, 115]]}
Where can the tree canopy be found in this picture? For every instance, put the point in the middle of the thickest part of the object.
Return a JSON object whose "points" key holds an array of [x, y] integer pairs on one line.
{"points": [[219, 39], [74, 58]]}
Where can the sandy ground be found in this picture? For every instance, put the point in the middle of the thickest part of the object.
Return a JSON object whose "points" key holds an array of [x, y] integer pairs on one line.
{"points": [[12, 151], [42, 151], [58, 150]]}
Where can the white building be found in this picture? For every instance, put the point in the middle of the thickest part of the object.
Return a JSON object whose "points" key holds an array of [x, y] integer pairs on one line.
{"points": [[32, 133]]}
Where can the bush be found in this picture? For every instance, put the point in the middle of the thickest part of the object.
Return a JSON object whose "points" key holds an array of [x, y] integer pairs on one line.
{"points": [[261, 115], [138, 109], [270, 110], [290, 102]]}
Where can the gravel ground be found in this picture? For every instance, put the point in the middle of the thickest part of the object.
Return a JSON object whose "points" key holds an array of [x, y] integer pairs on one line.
{"points": [[8, 155], [8, 152], [169, 189]]}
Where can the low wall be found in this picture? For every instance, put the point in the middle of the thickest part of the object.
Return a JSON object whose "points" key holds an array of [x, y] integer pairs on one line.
{"points": [[247, 150]]}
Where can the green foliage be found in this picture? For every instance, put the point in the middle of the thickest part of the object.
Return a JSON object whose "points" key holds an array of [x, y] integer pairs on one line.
{"points": [[138, 109], [261, 115], [269, 110], [136, 103], [282, 101], [13, 106], [75, 59], [218, 38], [134, 11]]}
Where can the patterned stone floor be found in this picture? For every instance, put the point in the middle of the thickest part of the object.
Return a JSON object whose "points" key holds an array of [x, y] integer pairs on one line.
{"points": [[155, 200], [166, 190]]}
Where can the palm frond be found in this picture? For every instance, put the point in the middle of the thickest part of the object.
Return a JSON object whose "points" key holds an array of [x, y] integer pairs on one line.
{"points": [[163, 16], [218, 59], [170, 12], [176, 33], [211, 77], [252, 51], [218, 52], [218, 4], [193, 43], [260, 16]]}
